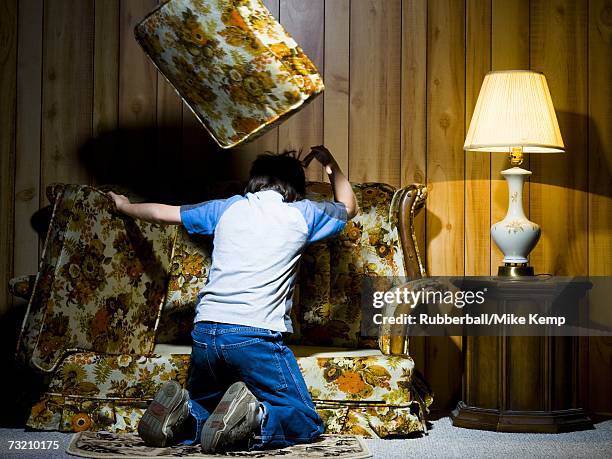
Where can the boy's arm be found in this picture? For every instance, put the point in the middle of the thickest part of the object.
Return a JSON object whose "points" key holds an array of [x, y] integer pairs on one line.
{"points": [[154, 213], [343, 191]]}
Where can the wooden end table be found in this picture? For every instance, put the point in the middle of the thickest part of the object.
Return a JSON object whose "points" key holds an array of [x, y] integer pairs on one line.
{"points": [[523, 383]]}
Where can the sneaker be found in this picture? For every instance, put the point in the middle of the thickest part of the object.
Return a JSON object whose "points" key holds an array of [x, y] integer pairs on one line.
{"points": [[165, 415], [234, 422]]}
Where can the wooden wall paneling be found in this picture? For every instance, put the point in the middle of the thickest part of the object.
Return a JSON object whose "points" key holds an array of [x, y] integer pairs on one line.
{"points": [[137, 75], [375, 54], [445, 136], [305, 22], [509, 51], [8, 77], [194, 169], [413, 125], [559, 184], [243, 155], [558, 200], [481, 352], [337, 66], [137, 106], [169, 110], [67, 93], [28, 124], [600, 191], [600, 138], [106, 66], [169, 137], [445, 176], [477, 164], [201, 160], [105, 84]]}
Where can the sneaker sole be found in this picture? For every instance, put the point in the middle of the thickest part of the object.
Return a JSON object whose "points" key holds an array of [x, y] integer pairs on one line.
{"points": [[231, 409], [153, 427]]}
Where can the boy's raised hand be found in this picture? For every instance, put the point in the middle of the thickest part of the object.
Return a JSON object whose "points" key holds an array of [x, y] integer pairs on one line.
{"points": [[343, 192], [323, 155]]}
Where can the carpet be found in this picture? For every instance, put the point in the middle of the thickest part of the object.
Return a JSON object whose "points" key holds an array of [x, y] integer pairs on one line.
{"points": [[110, 445], [443, 441]]}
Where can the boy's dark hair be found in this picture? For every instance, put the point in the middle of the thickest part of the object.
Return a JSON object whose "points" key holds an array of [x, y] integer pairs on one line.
{"points": [[279, 172]]}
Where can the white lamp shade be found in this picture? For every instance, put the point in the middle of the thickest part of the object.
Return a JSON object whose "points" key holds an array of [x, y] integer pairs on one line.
{"points": [[514, 109]]}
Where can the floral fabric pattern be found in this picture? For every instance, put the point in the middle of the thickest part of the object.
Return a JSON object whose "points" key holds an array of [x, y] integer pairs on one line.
{"points": [[231, 62], [329, 304], [101, 283], [371, 420], [61, 198], [89, 391], [76, 414], [188, 274], [375, 378], [127, 376]]}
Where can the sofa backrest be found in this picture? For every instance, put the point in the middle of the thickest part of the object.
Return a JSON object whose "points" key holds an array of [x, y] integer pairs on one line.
{"points": [[189, 269], [328, 307], [327, 303], [105, 279]]}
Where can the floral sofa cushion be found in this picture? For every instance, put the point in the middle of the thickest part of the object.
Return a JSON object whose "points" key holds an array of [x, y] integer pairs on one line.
{"points": [[231, 62], [356, 392], [328, 309], [101, 282], [367, 376]]}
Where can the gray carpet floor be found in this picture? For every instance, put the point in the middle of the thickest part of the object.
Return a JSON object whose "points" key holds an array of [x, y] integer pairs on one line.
{"points": [[443, 441]]}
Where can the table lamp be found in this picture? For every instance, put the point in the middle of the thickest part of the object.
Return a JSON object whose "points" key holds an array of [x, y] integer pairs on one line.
{"points": [[514, 114]]}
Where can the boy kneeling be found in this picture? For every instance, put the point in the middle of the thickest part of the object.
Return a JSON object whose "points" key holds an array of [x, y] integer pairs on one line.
{"points": [[245, 388]]}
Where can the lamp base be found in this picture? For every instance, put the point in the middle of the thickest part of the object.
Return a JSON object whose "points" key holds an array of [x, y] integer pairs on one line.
{"points": [[515, 270], [515, 235]]}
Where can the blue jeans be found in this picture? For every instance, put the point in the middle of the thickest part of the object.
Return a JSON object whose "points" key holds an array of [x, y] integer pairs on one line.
{"points": [[223, 354]]}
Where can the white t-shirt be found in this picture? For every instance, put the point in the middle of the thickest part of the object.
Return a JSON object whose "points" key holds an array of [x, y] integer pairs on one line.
{"points": [[258, 241]]}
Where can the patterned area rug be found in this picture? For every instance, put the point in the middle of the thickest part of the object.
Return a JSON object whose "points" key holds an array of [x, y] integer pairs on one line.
{"points": [[110, 445]]}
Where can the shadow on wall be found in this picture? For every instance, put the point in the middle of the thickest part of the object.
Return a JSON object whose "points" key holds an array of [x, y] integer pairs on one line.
{"points": [[172, 164]]}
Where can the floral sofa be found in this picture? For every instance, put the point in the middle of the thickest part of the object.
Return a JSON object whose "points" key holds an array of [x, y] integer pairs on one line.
{"points": [[111, 308]]}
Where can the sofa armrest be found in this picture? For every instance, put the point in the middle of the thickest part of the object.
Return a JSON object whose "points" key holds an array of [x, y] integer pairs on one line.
{"points": [[406, 204], [22, 286]]}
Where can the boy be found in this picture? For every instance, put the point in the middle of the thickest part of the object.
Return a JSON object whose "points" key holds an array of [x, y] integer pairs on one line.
{"points": [[245, 387]]}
